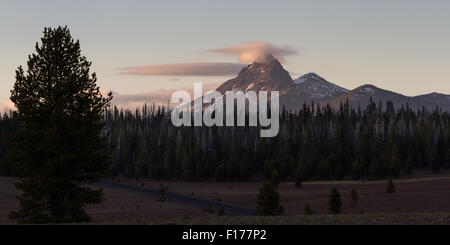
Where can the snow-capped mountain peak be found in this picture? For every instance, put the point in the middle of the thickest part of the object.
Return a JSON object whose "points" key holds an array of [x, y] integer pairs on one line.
{"points": [[271, 76], [267, 76], [317, 86], [310, 87], [307, 76]]}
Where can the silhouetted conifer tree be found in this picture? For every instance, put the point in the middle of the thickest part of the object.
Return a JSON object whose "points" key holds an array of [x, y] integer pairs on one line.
{"points": [[268, 201], [62, 145], [335, 205], [307, 210], [390, 188], [354, 197]]}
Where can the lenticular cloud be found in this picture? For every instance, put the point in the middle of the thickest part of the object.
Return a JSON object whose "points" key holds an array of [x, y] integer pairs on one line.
{"points": [[257, 52]]}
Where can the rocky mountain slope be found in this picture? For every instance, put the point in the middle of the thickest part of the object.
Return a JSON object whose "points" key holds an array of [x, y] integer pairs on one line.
{"points": [[260, 77], [311, 87], [307, 88]]}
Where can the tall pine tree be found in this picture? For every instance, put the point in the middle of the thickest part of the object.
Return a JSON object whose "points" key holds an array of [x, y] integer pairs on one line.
{"points": [[62, 145]]}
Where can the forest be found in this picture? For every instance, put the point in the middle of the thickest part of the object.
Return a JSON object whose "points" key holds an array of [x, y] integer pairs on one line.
{"points": [[314, 143]]}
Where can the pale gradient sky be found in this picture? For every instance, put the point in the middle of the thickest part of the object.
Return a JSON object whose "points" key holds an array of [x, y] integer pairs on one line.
{"points": [[402, 46]]}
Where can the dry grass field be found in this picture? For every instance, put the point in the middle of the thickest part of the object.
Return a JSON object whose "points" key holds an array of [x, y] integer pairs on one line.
{"points": [[345, 219], [428, 194], [119, 206], [417, 200]]}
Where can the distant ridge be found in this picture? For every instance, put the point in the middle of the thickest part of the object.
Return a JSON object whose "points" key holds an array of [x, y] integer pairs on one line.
{"points": [[311, 87]]}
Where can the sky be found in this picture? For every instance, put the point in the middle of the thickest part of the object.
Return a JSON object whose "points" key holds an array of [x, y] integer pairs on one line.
{"points": [[147, 47]]}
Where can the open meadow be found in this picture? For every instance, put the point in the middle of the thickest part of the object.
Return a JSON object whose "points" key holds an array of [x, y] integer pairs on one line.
{"points": [[424, 199]]}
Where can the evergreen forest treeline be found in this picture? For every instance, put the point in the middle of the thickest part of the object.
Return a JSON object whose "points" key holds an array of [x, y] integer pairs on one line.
{"points": [[312, 143]]}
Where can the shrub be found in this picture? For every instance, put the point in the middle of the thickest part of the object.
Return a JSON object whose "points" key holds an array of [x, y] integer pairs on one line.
{"points": [[298, 181], [207, 209], [354, 197], [390, 188], [268, 201], [335, 205], [162, 189], [308, 210]]}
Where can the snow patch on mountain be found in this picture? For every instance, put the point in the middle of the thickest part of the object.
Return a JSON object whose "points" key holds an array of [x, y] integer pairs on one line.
{"points": [[368, 89], [300, 80]]}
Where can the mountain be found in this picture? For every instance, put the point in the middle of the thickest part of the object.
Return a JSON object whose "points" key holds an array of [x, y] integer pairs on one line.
{"points": [[307, 88], [266, 76], [271, 75], [442, 100], [361, 96]]}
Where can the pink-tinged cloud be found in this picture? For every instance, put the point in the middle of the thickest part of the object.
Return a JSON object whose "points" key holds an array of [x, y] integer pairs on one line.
{"points": [[257, 51], [185, 69], [158, 97]]}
